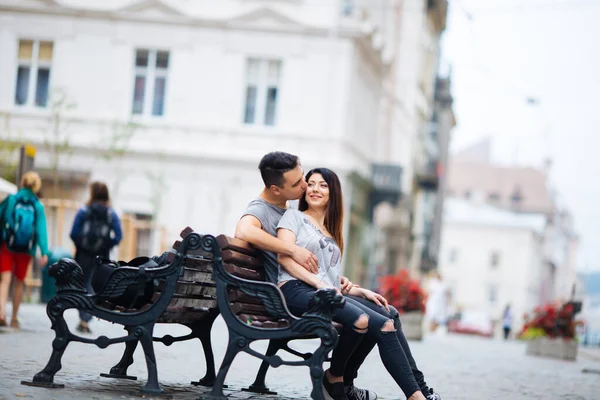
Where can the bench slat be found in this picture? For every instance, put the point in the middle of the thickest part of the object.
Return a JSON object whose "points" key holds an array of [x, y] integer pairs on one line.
{"points": [[236, 295], [257, 309], [182, 315], [262, 322], [196, 275], [191, 288], [234, 257], [230, 243], [186, 231], [244, 272], [194, 303], [200, 264]]}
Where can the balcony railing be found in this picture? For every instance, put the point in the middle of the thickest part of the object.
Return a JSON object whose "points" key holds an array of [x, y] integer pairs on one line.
{"points": [[386, 180]]}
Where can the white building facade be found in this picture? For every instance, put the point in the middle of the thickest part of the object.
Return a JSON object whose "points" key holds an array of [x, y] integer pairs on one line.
{"points": [[491, 257], [173, 102]]}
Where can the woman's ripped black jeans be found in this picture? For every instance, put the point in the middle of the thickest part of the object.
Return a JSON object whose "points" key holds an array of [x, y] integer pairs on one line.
{"points": [[298, 294]]}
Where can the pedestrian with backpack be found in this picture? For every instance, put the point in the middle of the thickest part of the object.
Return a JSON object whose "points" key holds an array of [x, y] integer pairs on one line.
{"points": [[23, 231], [96, 230]]}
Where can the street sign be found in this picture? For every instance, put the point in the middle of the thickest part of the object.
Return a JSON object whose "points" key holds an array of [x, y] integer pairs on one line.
{"points": [[26, 158]]}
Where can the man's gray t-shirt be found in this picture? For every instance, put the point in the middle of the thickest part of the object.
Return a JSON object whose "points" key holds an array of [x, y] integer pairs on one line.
{"points": [[311, 238], [269, 216]]}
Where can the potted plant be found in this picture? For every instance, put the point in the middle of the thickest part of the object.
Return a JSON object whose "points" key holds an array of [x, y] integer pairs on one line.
{"points": [[551, 330], [407, 296]]}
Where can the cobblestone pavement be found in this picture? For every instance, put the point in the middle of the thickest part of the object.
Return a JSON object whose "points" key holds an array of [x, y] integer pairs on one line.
{"points": [[458, 367]]}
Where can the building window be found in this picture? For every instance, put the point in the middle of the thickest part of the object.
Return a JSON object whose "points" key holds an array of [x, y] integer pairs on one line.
{"points": [[149, 88], [262, 91], [494, 197], [453, 256], [492, 294], [33, 73], [494, 259], [516, 197]]}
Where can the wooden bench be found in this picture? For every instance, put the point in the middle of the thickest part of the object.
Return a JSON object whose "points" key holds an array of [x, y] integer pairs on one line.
{"points": [[193, 304], [197, 290], [255, 310], [179, 297], [204, 276]]}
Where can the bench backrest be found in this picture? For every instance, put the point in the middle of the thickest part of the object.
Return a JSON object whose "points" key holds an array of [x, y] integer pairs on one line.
{"points": [[244, 261], [195, 293]]}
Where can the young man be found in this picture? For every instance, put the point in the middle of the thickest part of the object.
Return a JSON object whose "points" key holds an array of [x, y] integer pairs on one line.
{"points": [[284, 180]]}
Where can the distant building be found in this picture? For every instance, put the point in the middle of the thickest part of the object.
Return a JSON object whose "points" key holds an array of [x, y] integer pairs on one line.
{"points": [[492, 257], [522, 191]]}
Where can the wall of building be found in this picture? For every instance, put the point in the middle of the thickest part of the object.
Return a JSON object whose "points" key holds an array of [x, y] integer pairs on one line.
{"points": [[197, 164], [466, 266]]}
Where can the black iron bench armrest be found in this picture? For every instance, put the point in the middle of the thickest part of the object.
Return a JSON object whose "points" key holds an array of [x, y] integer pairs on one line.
{"points": [[322, 305], [70, 284]]}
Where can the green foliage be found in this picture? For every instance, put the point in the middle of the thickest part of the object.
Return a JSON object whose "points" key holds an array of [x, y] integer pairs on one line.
{"points": [[119, 140], [533, 333], [9, 159], [57, 142]]}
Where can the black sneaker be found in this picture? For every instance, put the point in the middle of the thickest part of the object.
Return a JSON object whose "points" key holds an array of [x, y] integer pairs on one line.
{"points": [[333, 391], [355, 393], [433, 395]]}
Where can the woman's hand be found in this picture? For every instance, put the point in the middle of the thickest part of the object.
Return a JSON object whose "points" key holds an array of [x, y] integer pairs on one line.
{"points": [[346, 285], [323, 285], [376, 298]]}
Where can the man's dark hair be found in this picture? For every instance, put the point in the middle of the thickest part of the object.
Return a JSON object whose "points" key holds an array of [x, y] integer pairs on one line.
{"points": [[273, 165]]}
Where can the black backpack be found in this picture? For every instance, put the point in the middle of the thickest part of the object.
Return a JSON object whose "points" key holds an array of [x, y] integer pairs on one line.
{"points": [[96, 230]]}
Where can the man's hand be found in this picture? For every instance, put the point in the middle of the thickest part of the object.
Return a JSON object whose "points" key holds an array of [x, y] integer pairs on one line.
{"points": [[376, 298], [43, 260], [307, 259], [346, 285]]}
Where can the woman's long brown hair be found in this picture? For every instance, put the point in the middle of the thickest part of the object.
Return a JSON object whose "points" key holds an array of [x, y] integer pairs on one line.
{"points": [[334, 215]]}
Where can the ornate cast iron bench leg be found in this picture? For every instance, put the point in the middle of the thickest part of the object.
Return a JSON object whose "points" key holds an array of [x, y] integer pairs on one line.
{"points": [[45, 378], [259, 383], [316, 373], [119, 371], [235, 345], [145, 336], [201, 330]]}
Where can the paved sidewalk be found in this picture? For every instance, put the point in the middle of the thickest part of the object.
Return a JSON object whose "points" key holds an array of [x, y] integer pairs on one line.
{"points": [[459, 367], [591, 353]]}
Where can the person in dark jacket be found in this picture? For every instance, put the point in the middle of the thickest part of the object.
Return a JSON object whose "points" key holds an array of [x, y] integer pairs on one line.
{"points": [[96, 230], [16, 262]]}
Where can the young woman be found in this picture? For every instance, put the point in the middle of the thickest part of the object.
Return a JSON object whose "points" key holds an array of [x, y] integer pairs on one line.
{"points": [[96, 230], [317, 226], [25, 207]]}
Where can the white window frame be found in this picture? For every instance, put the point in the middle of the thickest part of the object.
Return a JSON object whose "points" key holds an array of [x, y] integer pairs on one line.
{"points": [[262, 86], [150, 72], [34, 64]]}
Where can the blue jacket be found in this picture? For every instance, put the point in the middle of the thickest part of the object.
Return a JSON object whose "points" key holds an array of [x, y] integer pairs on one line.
{"points": [[77, 228], [41, 235]]}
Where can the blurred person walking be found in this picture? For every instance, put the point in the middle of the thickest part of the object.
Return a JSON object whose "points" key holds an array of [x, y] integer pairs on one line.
{"points": [[507, 321], [96, 230], [23, 230], [436, 307]]}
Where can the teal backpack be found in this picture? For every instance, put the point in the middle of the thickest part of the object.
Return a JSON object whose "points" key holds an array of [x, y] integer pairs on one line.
{"points": [[18, 231]]}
